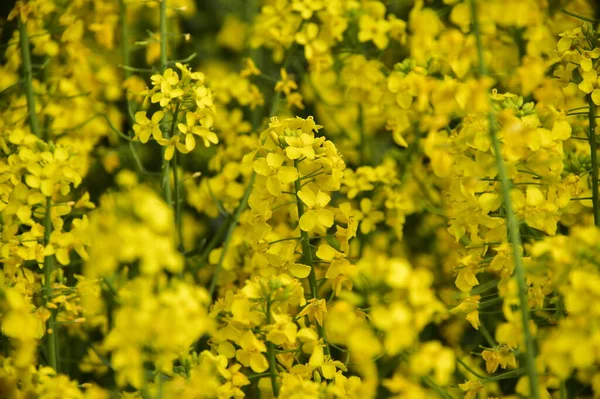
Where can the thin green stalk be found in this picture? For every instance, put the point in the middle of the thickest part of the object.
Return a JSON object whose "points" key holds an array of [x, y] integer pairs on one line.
{"points": [[177, 204], [307, 259], [51, 339], [28, 78], [166, 173], [230, 229], [177, 186], [163, 35], [594, 158], [125, 49], [361, 128], [431, 384], [581, 17], [512, 223], [124, 36], [271, 355]]}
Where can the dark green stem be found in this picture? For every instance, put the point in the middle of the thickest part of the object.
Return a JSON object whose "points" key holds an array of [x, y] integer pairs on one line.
{"points": [[177, 205], [512, 223], [51, 338], [271, 355], [230, 229], [361, 128], [124, 36], [177, 186], [307, 259], [594, 159], [166, 173], [28, 78]]}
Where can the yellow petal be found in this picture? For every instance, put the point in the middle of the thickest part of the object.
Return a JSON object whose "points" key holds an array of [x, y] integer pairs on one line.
{"points": [[326, 252], [316, 359], [287, 174], [299, 270]]}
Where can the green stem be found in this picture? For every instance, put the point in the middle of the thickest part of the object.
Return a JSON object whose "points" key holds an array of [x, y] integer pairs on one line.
{"points": [[28, 76], [163, 35], [51, 339], [271, 355], [512, 222], [594, 158], [166, 173], [177, 204], [361, 128], [124, 36], [230, 229], [431, 384], [125, 50], [177, 186], [307, 259], [581, 17]]}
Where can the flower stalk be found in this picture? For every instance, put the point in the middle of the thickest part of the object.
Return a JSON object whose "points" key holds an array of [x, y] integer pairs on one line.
{"points": [[594, 160], [271, 354], [51, 337], [166, 172], [307, 259], [511, 220], [236, 219], [28, 78]]}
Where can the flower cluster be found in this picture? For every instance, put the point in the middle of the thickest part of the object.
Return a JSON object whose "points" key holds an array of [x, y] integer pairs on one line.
{"points": [[377, 199]]}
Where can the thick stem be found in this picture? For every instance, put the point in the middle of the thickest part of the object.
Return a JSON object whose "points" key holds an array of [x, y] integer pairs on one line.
{"points": [[307, 259], [512, 223], [230, 229], [51, 338], [594, 156], [28, 78], [271, 355]]}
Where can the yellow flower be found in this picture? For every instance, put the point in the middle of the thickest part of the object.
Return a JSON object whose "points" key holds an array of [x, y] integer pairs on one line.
{"points": [[591, 84], [502, 356], [368, 216], [315, 309], [316, 216], [171, 145], [339, 269], [250, 68], [286, 84], [167, 92], [191, 128], [301, 145], [470, 306], [144, 127], [587, 57], [375, 30], [471, 388], [277, 174], [251, 353]]}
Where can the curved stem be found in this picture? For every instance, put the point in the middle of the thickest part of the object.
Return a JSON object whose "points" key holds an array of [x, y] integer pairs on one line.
{"points": [[594, 159], [28, 78], [512, 222]]}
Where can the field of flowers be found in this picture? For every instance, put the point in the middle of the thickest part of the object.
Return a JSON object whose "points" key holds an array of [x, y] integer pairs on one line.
{"points": [[299, 199]]}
